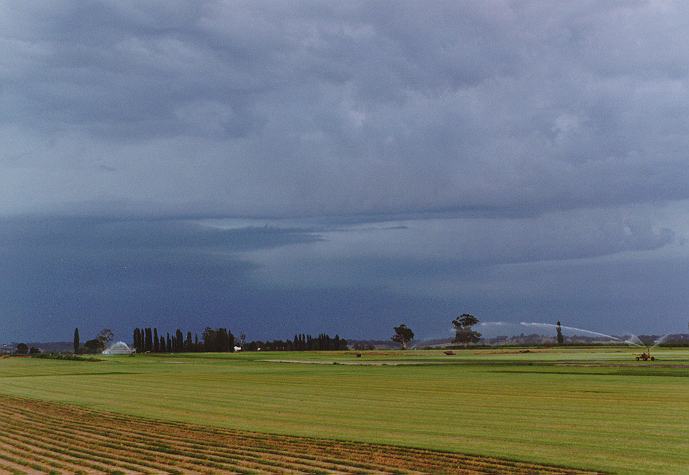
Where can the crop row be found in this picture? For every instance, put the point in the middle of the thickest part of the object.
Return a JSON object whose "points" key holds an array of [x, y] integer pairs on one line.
{"points": [[41, 437]]}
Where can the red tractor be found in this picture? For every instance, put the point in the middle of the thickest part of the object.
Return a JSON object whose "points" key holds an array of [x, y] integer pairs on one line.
{"points": [[645, 356]]}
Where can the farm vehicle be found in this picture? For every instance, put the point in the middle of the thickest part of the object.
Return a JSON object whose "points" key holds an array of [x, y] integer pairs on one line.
{"points": [[645, 356]]}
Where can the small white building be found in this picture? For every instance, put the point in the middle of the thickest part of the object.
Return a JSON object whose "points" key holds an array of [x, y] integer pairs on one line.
{"points": [[119, 348]]}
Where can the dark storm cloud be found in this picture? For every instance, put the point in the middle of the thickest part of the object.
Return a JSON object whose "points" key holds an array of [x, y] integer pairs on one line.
{"points": [[407, 156], [58, 273]]}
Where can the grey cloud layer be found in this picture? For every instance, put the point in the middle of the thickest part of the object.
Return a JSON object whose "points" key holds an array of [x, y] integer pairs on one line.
{"points": [[239, 108], [412, 159]]}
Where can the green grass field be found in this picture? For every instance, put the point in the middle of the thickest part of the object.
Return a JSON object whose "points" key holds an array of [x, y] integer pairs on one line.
{"points": [[586, 408]]}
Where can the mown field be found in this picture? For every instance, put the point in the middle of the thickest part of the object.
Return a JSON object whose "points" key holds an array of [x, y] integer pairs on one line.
{"points": [[45, 437], [594, 409]]}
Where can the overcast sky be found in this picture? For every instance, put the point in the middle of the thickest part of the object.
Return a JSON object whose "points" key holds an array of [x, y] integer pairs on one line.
{"points": [[342, 167]]}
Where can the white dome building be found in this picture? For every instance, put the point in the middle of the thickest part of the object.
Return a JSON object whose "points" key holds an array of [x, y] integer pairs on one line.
{"points": [[119, 348]]}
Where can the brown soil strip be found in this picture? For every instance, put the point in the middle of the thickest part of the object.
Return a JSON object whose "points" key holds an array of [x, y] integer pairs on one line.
{"points": [[42, 437]]}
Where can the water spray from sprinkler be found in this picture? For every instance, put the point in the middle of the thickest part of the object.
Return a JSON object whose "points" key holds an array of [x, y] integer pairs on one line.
{"points": [[575, 329], [634, 340], [661, 340]]}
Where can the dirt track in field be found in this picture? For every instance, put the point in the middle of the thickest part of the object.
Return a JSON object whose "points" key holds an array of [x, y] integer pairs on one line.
{"points": [[42, 437]]}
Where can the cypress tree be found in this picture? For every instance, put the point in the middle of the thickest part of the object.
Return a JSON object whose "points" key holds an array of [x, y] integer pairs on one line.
{"points": [[137, 340], [149, 340], [77, 343], [179, 339], [156, 341]]}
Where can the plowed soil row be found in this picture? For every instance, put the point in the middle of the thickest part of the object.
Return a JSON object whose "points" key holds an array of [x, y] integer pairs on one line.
{"points": [[42, 437]]}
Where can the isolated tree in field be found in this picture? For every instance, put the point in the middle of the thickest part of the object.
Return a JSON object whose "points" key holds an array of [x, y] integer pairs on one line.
{"points": [[403, 335], [22, 349], [77, 343], [560, 337], [463, 329]]}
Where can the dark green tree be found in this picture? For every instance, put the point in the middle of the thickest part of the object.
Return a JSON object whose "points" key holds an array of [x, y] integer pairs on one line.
{"points": [[222, 340], [208, 336], [463, 329], [135, 340], [94, 346], [179, 341], [230, 340], [156, 341], [22, 349], [105, 335], [76, 343], [148, 340], [139, 340], [403, 335], [560, 336]]}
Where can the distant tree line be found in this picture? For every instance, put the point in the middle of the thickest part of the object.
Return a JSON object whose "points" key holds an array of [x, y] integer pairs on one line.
{"points": [[222, 340], [212, 340], [300, 342]]}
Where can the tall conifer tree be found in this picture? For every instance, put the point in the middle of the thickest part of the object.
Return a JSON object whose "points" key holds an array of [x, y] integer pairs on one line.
{"points": [[76, 342]]}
